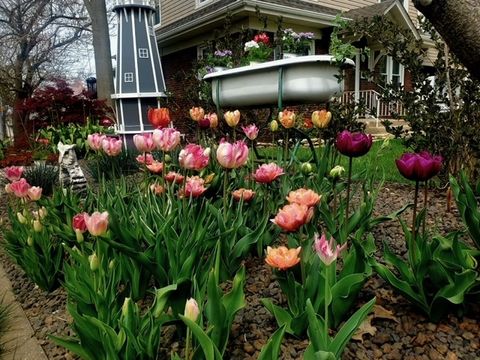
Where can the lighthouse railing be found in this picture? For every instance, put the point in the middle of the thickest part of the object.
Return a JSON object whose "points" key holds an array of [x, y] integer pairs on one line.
{"points": [[150, 3]]}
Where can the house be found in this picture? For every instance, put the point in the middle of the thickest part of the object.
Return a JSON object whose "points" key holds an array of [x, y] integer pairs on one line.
{"points": [[184, 26]]}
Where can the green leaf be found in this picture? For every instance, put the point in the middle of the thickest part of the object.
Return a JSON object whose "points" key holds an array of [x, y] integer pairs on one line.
{"points": [[271, 350], [74, 346], [348, 329], [209, 349], [282, 316], [316, 332]]}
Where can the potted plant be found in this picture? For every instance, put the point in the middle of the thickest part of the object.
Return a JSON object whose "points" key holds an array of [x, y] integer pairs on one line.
{"points": [[294, 43], [219, 60], [258, 50]]}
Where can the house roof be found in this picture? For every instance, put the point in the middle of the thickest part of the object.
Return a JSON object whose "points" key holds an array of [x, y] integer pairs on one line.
{"points": [[222, 6], [392, 8]]}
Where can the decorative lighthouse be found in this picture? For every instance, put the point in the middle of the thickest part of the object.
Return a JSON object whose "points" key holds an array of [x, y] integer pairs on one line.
{"points": [[139, 80]]}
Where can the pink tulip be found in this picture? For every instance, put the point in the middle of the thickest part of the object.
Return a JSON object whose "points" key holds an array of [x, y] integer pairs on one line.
{"points": [[144, 142], [34, 193], [251, 131], [194, 157], [78, 222], [20, 188], [166, 139], [172, 176], [267, 173], [155, 167], [193, 187], [292, 216], [97, 223], [13, 173], [232, 156], [94, 141], [146, 159], [112, 146], [325, 250]]}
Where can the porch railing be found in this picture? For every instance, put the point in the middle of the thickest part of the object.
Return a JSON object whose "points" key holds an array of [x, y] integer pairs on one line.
{"points": [[374, 106]]}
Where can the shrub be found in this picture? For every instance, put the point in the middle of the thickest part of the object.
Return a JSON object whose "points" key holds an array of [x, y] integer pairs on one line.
{"points": [[43, 175]]}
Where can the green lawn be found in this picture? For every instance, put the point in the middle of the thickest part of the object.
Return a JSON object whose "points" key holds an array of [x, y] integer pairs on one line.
{"points": [[380, 159]]}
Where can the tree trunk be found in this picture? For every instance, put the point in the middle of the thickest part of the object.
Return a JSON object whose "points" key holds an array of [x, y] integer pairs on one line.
{"points": [[101, 46], [458, 22]]}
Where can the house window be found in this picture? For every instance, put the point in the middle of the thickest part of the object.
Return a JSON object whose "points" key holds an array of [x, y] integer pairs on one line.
{"points": [[391, 71], [128, 77], [158, 13], [143, 53], [202, 2]]}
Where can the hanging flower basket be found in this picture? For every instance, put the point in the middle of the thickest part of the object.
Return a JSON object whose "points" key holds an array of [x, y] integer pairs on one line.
{"points": [[305, 79]]}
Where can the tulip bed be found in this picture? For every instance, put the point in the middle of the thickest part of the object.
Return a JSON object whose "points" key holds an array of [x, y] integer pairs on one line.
{"points": [[169, 248]]}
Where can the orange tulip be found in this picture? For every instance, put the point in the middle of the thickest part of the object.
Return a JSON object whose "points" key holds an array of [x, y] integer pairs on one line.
{"points": [[282, 257], [245, 194], [159, 117], [292, 216], [197, 113], [304, 197], [287, 118]]}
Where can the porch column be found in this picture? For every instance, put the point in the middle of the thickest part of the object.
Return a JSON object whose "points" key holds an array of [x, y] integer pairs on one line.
{"points": [[357, 77]]}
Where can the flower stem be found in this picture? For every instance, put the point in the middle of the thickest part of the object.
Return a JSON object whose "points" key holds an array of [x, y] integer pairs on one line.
{"points": [[225, 180], [425, 200], [414, 220], [285, 149], [350, 161], [325, 317], [334, 199], [187, 345]]}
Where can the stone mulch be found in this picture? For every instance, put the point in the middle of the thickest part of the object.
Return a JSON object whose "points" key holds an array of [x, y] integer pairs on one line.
{"points": [[403, 334]]}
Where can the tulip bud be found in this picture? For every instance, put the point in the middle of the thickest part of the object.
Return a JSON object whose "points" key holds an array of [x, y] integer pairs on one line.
{"points": [[125, 306], [94, 262], [306, 168], [274, 125], [337, 171], [37, 226], [191, 309], [1, 221], [42, 212], [111, 264], [79, 236], [21, 219], [167, 158], [30, 241]]}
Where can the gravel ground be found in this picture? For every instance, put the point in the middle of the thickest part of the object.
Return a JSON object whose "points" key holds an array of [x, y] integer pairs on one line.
{"points": [[403, 334]]}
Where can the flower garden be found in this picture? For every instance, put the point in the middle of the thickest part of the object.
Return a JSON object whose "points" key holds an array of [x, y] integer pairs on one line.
{"points": [[216, 248]]}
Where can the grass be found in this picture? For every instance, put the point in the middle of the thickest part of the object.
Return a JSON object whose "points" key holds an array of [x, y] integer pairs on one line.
{"points": [[380, 160]]}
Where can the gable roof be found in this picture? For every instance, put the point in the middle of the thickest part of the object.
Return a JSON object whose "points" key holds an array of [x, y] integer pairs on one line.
{"points": [[391, 8], [221, 7]]}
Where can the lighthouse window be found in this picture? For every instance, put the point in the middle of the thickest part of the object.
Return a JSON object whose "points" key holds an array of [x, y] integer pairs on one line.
{"points": [[128, 77], [143, 53]]}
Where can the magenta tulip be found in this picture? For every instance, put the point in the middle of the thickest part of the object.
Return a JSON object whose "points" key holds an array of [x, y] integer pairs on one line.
{"points": [[78, 222], [353, 144], [194, 157], [13, 173], [419, 166], [20, 188], [232, 156]]}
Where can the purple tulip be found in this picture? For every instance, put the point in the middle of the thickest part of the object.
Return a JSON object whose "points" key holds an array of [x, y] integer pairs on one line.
{"points": [[419, 166], [353, 144]]}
